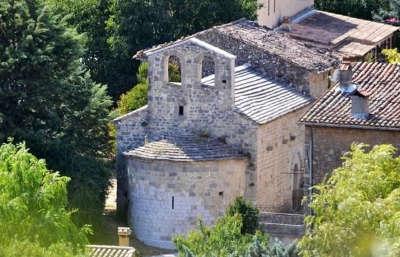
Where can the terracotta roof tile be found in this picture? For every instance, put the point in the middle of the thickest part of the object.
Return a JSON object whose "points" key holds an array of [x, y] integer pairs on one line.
{"points": [[346, 35], [110, 251], [381, 81]]}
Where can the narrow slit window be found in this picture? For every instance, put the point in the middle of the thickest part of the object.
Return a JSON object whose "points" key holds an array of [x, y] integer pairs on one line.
{"points": [[181, 110], [173, 203]]}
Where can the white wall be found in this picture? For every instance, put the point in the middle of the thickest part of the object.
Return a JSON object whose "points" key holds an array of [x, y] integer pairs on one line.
{"points": [[273, 10]]}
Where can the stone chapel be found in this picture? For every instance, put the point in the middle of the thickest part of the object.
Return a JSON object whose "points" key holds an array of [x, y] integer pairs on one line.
{"points": [[230, 127]]}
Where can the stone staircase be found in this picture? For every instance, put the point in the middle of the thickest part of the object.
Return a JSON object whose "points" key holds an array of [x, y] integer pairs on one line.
{"points": [[286, 227]]}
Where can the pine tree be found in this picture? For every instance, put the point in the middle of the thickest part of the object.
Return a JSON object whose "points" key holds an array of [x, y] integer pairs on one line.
{"points": [[48, 99]]}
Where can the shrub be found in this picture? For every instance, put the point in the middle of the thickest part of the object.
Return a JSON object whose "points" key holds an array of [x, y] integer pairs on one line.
{"points": [[223, 240], [248, 212], [356, 211], [392, 55]]}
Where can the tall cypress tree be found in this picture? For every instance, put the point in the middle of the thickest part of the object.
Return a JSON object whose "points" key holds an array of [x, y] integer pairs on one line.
{"points": [[48, 99]]}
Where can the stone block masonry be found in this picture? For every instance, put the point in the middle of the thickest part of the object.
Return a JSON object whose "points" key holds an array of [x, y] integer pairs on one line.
{"points": [[331, 143], [168, 198]]}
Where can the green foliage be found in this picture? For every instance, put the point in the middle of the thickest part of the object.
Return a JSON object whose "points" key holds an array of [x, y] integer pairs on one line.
{"points": [[357, 209], [174, 72], [391, 10], [392, 55], [137, 96], [48, 100], [133, 99], [135, 25], [116, 29], [364, 9], [248, 212], [223, 240], [34, 219], [228, 238], [105, 66], [274, 249]]}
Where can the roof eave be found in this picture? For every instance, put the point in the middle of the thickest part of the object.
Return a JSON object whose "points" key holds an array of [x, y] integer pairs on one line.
{"points": [[349, 126]]}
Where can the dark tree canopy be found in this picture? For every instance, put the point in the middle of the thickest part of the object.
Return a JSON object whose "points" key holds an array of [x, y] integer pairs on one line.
{"points": [[137, 24], [364, 9], [48, 99]]}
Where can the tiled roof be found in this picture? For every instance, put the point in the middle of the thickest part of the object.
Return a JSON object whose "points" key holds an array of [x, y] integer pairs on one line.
{"points": [[110, 251], [260, 98], [186, 148], [274, 42], [347, 35], [382, 83]]}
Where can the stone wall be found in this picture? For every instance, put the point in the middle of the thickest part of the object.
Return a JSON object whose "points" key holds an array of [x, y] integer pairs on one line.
{"points": [[271, 13], [319, 83], [280, 163], [267, 63], [330, 144], [131, 131], [207, 110], [167, 198]]}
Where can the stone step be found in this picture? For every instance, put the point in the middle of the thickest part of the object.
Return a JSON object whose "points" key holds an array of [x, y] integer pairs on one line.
{"points": [[282, 218], [282, 230]]}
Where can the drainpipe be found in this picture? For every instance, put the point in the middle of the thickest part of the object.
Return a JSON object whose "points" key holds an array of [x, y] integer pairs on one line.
{"points": [[310, 166]]}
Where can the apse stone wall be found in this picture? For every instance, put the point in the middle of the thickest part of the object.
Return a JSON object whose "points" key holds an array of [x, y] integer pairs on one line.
{"points": [[167, 198]]}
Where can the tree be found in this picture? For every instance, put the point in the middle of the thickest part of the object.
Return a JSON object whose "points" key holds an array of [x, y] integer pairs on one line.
{"points": [[356, 211], [34, 218], [137, 96], [135, 25], [248, 212], [105, 66], [48, 99], [391, 13], [364, 9]]}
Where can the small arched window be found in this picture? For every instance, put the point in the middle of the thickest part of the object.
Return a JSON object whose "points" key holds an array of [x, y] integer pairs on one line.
{"points": [[174, 69], [208, 71]]}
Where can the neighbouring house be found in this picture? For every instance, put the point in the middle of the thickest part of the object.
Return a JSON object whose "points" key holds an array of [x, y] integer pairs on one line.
{"points": [[363, 107], [351, 38], [228, 128], [123, 250]]}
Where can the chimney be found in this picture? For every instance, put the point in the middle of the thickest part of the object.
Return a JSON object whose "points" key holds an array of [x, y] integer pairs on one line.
{"points": [[123, 236], [286, 24], [343, 77], [359, 105], [271, 12]]}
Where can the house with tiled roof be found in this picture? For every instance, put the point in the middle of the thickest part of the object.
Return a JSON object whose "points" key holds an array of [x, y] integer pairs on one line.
{"points": [[348, 37], [122, 250], [228, 128], [363, 107]]}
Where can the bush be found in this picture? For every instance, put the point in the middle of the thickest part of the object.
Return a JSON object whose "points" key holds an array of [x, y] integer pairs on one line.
{"points": [[356, 211], [223, 240], [228, 238], [133, 99], [248, 212], [391, 55]]}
